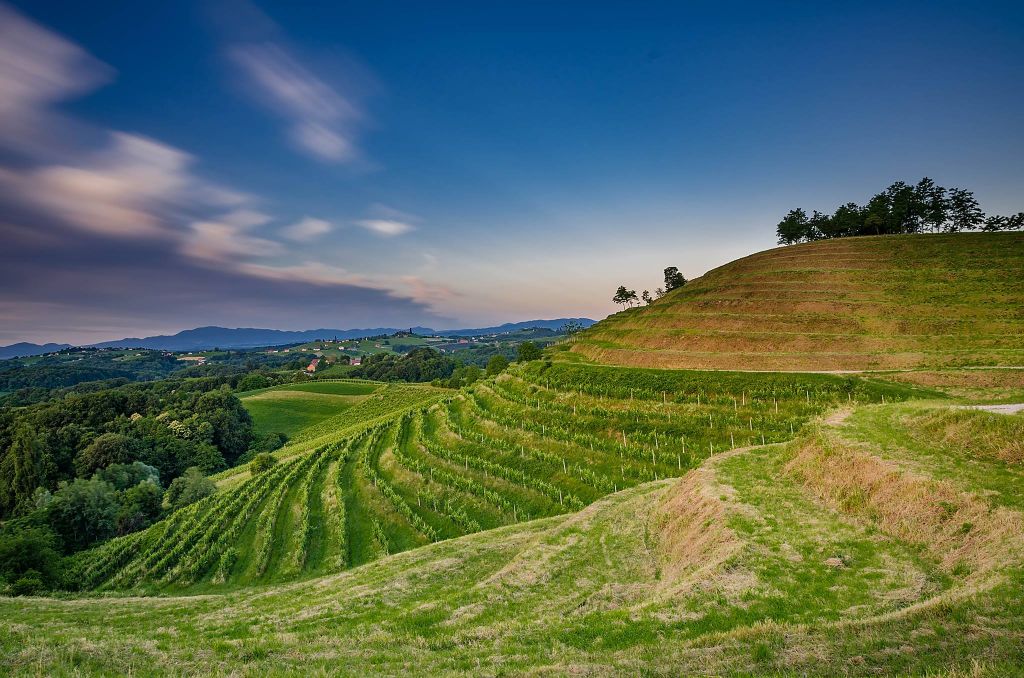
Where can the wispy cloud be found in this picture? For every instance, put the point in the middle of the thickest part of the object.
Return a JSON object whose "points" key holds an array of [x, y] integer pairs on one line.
{"points": [[387, 221], [96, 219], [386, 227], [308, 228], [323, 119]]}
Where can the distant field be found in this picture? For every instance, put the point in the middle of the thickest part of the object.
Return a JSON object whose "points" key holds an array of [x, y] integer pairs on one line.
{"points": [[872, 303], [291, 408]]}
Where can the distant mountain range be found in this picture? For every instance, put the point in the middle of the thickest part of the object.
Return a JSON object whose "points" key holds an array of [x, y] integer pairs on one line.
{"points": [[205, 338], [23, 349]]}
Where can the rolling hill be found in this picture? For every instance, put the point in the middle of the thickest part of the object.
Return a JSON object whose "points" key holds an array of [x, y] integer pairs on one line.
{"points": [[890, 302], [566, 517]]}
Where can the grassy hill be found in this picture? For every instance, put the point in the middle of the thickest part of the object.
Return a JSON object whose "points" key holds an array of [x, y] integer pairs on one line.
{"points": [[291, 408], [569, 517], [891, 302], [541, 440], [839, 553]]}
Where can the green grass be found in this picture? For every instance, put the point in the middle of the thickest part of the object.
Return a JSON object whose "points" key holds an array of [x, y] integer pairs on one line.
{"points": [[745, 566], [893, 302]]}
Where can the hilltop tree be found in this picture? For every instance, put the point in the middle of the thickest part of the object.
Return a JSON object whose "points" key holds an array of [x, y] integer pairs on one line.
{"points": [[621, 296], [900, 208], [673, 279], [792, 229], [646, 296]]}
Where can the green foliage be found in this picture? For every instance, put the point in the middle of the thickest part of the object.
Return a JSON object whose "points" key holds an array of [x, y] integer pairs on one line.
{"points": [[420, 365], [528, 351], [105, 450], [263, 461], [29, 551], [901, 208], [496, 365], [189, 488], [84, 512], [141, 504], [252, 382], [673, 279], [124, 476]]}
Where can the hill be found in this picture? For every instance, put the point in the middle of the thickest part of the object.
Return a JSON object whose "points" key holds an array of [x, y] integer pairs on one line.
{"points": [[24, 349], [845, 552], [206, 338], [890, 302]]}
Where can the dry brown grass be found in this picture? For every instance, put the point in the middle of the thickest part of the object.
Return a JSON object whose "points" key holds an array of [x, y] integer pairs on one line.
{"points": [[957, 528]]}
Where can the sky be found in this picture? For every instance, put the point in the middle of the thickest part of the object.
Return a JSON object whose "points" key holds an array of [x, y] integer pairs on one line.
{"points": [[364, 164]]}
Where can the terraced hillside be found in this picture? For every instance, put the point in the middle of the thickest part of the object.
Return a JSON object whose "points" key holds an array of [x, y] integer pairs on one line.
{"points": [[541, 440], [847, 551], [892, 302]]}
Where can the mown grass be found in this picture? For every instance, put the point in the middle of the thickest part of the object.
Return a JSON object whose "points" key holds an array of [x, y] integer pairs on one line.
{"points": [[594, 592]]}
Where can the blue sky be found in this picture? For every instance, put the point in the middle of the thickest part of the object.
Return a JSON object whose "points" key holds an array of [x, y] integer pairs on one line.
{"points": [[298, 165]]}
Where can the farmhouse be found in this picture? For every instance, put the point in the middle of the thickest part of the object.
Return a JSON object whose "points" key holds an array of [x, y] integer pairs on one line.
{"points": [[313, 364], [356, 361]]}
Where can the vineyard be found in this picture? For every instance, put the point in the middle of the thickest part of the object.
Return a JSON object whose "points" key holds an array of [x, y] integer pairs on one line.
{"points": [[408, 466]]}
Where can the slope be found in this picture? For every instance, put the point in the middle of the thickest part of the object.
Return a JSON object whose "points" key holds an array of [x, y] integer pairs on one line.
{"points": [[412, 465], [828, 555], [892, 302]]}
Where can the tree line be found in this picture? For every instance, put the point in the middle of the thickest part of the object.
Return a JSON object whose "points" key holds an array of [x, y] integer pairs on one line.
{"points": [[924, 207], [628, 298]]}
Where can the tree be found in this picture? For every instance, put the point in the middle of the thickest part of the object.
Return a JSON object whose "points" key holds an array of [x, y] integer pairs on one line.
{"points": [[932, 203], [847, 220], [528, 351], [84, 512], [621, 296], [792, 229], [964, 212], [264, 461], [496, 365], [190, 487], [646, 296], [28, 549], [571, 327], [251, 382], [631, 298], [25, 467], [123, 476], [673, 279], [105, 450], [140, 507], [232, 425]]}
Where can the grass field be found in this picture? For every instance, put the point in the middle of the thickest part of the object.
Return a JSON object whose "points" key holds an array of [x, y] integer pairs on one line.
{"points": [[568, 517], [839, 553], [893, 302], [291, 408]]}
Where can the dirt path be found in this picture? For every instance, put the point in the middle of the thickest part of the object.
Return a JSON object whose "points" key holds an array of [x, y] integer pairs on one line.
{"points": [[1013, 408]]}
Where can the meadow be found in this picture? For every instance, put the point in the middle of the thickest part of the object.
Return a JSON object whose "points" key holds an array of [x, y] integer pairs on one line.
{"points": [[291, 408]]}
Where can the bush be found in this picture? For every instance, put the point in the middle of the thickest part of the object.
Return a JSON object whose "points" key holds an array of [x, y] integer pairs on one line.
{"points": [[496, 365], [528, 351], [189, 488], [28, 584], [29, 552], [263, 461]]}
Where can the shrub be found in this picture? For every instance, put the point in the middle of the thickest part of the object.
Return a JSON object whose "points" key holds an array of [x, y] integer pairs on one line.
{"points": [[28, 584], [496, 365], [263, 461], [528, 351], [189, 488]]}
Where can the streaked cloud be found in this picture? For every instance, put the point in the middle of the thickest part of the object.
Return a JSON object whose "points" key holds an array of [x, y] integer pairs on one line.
{"points": [[387, 221], [322, 120], [308, 228], [386, 227], [107, 230]]}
